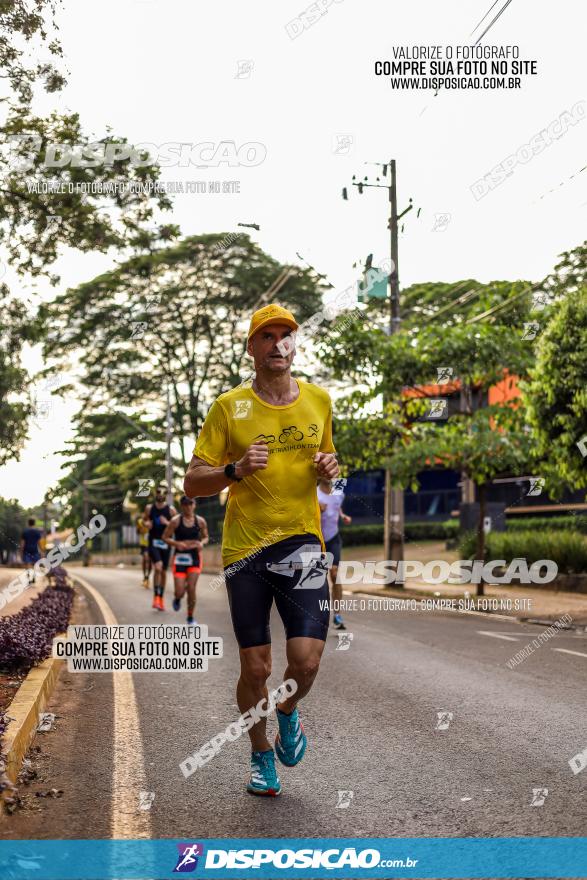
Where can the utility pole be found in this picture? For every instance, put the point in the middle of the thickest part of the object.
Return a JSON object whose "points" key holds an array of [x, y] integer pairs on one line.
{"points": [[86, 511], [45, 519], [168, 463], [393, 525], [393, 509]]}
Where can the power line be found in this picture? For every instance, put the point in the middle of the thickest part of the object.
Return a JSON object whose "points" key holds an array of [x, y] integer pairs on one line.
{"points": [[504, 305], [459, 301], [489, 26], [484, 17]]}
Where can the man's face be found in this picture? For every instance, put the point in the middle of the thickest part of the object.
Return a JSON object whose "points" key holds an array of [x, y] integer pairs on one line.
{"points": [[266, 351], [160, 495]]}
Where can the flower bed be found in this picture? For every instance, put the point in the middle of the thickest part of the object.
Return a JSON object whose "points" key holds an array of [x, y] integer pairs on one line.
{"points": [[26, 637]]}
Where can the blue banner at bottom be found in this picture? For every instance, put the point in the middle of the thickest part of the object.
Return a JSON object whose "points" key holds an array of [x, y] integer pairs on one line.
{"points": [[314, 857]]}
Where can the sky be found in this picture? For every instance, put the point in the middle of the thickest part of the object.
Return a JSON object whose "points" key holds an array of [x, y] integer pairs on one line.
{"points": [[161, 72]]}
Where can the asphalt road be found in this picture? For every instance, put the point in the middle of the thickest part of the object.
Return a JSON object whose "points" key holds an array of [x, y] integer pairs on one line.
{"points": [[372, 722]]}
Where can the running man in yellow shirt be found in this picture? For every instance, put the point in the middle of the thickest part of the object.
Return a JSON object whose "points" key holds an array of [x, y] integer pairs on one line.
{"points": [[269, 440]]}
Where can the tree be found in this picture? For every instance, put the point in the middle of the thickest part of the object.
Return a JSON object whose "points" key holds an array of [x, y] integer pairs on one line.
{"points": [[177, 315], [485, 444], [50, 198], [110, 453], [16, 405], [556, 395], [482, 442], [25, 26], [46, 205], [68, 197], [570, 273], [12, 522], [437, 302]]}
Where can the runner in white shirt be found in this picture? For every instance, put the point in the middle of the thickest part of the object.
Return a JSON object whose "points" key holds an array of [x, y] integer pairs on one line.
{"points": [[331, 512]]}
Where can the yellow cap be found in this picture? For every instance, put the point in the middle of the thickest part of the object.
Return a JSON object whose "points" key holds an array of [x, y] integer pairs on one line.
{"points": [[271, 314]]}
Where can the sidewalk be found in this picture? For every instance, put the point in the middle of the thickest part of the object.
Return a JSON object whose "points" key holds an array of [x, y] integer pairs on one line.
{"points": [[25, 598]]}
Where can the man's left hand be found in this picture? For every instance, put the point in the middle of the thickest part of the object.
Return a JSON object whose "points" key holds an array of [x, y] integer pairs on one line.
{"points": [[326, 465]]}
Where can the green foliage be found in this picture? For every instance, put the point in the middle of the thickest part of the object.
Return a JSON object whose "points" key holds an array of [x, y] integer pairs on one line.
{"points": [[383, 367], [16, 327], [567, 549], [570, 273], [556, 394], [12, 521], [490, 442], [361, 535], [112, 453], [34, 224], [555, 523], [24, 26], [443, 304], [179, 314], [362, 442], [429, 531]]}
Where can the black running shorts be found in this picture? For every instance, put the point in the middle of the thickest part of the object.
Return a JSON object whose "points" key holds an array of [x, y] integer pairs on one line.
{"points": [[159, 554], [185, 562], [297, 583], [334, 546]]}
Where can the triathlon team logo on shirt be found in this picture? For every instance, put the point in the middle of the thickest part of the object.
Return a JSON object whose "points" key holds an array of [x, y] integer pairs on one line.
{"points": [[188, 857], [288, 434]]}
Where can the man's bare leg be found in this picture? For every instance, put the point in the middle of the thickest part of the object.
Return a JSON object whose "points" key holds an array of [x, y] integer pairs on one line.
{"points": [[303, 662], [192, 581], [336, 597], [336, 589], [252, 687]]}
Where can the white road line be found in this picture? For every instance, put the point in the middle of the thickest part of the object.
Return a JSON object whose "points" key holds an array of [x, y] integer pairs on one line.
{"points": [[496, 635], [128, 765], [565, 651]]}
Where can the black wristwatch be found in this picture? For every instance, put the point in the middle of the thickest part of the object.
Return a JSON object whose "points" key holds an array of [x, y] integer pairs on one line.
{"points": [[230, 472]]}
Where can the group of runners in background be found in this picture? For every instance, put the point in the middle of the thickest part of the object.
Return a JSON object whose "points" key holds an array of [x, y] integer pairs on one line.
{"points": [[163, 530]]}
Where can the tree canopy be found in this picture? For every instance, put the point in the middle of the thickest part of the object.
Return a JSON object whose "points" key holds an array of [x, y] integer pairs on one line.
{"points": [[556, 395], [179, 315]]}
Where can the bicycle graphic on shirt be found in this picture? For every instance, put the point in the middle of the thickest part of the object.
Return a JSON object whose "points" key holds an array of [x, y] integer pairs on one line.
{"points": [[291, 433]]}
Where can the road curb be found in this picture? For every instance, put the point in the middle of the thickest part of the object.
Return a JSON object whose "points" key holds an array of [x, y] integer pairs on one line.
{"points": [[23, 712]]}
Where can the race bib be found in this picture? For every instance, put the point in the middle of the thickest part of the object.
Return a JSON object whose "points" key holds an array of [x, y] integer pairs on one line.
{"points": [[159, 542], [184, 559]]}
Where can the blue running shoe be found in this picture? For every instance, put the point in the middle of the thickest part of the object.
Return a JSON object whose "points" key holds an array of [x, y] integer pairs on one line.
{"points": [[191, 622], [338, 622], [264, 779], [176, 604], [291, 741]]}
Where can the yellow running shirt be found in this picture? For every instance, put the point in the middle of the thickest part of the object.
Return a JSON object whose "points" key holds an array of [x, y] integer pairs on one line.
{"points": [[281, 500]]}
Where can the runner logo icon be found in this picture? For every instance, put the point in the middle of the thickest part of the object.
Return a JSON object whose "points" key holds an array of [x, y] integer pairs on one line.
{"points": [[188, 857], [310, 561]]}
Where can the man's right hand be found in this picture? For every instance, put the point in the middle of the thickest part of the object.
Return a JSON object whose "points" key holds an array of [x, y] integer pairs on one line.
{"points": [[254, 459]]}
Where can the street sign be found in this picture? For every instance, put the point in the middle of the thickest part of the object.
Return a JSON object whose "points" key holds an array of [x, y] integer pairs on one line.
{"points": [[372, 286]]}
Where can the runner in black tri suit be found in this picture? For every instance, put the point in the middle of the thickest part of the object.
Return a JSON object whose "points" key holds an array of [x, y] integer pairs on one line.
{"points": [[160, 514], [188, 533]]}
